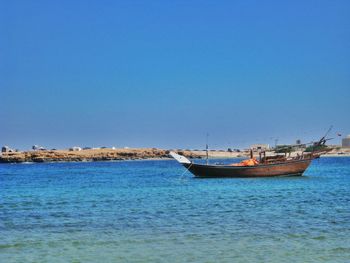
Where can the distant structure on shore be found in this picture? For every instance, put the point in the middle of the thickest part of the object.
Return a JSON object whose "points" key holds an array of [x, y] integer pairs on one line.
{"points": [[346, 142], [6, 149], [256, 147], [38, 148], [75, 149]]}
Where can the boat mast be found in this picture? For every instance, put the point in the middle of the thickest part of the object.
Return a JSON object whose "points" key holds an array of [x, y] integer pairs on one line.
{"points": [[323, 139], [206, 148]]}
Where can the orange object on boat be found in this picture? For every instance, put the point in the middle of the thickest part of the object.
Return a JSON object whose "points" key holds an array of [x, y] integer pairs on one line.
{"points": [[248, 162]]}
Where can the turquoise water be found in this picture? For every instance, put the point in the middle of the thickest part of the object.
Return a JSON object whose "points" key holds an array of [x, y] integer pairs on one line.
{"points": [[147, 211]]}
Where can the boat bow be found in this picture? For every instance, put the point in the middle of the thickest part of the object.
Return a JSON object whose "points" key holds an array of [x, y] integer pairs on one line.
{"points": [[181, 159]]}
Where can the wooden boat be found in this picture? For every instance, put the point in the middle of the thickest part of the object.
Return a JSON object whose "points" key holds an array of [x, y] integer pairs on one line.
{"points": [[268, 166]]}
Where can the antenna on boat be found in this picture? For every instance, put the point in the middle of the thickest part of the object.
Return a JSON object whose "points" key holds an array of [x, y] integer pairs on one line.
{"points": [[207, 147], [323, 139], [330, 128]]}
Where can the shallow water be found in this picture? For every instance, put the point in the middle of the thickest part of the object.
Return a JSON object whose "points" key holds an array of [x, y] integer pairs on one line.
{"points": [[149, 211]]}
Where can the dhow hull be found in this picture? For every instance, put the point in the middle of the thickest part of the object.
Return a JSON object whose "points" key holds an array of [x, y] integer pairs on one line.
{"points": [[292, 168]]}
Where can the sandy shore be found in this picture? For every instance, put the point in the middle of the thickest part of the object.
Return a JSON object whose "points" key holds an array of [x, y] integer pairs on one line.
{"points": [[88, 155], [244, 154], [222, 154], [127, 154]]}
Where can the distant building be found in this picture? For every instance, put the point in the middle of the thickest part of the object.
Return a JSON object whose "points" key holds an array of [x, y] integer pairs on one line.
{"points": [[75, 149], [38, 148], [346, 142], [6, 149], [299, 146], [233, 150], [256, 147]]}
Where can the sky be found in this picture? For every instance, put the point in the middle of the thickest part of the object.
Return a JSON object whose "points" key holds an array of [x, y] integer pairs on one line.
{"points": [[166, 73]]}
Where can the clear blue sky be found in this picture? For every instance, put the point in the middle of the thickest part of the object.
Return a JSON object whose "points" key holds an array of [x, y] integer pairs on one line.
{"points": [[164, 73]]}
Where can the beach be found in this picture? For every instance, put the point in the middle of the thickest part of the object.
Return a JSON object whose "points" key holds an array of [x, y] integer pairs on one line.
{"points": [[108, 154], [89, 155]]}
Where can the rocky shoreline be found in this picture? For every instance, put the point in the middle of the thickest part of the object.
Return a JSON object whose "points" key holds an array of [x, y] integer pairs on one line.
{"points": [[88, 155], [93, 155]]}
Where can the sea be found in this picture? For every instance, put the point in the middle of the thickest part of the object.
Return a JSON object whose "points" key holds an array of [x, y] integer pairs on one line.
{"points": [[155, 211]]}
